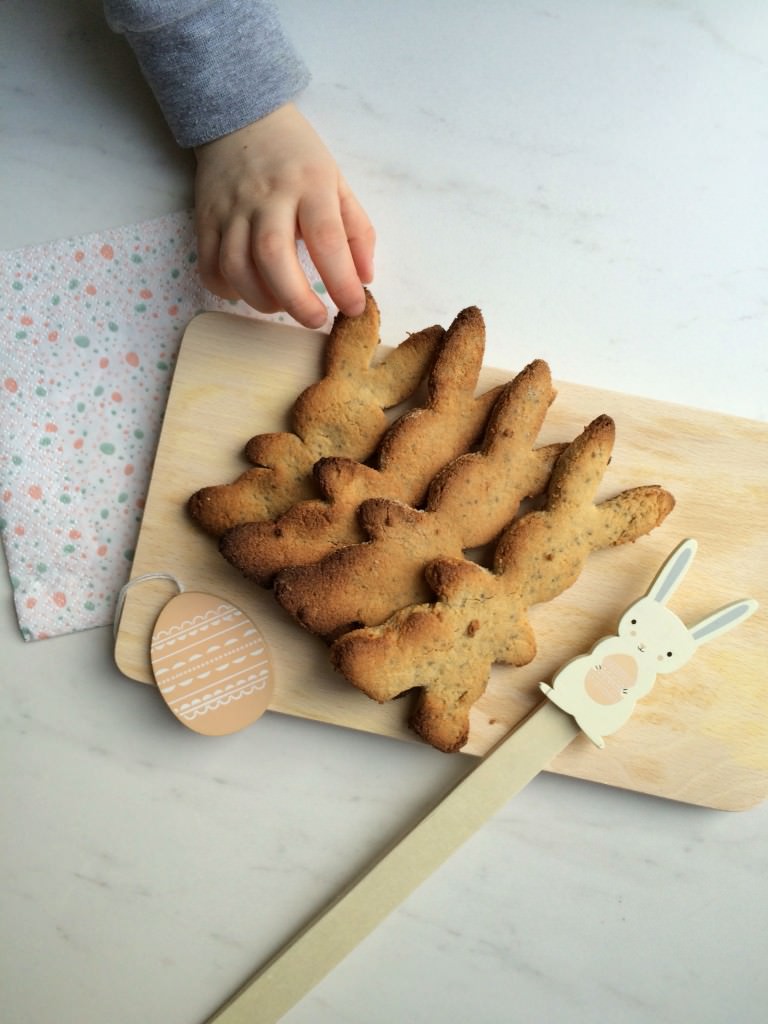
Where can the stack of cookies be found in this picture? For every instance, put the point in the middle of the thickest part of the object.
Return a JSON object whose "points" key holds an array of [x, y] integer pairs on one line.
{"points": [[362, 527]]}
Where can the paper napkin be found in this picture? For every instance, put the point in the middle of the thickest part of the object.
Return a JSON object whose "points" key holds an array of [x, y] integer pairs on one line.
{"points": [[89, 331]]}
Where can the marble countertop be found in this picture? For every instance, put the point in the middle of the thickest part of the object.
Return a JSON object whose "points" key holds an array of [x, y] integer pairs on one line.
{"points": [[592, 176]]}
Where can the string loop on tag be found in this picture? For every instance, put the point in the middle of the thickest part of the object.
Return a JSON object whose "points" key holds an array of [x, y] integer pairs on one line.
{"points": [[120, 602]]}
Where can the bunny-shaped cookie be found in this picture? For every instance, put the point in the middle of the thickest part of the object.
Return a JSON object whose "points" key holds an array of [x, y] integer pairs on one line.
{"points": [[600, 689]]}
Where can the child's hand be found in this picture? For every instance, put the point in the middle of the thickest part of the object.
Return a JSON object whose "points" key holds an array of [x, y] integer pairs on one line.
{"points": [[257, 191]]}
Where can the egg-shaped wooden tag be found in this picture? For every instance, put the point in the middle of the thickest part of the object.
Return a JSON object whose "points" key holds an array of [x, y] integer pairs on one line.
{"points": [[211, 664]]}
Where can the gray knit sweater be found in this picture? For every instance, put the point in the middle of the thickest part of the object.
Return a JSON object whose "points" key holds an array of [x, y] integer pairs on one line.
{"points": [[213, 65]]}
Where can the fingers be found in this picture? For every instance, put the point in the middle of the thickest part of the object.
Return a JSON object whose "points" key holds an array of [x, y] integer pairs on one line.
{"points": [[255, 259], [360, 233], [208, 247], [258, 262], [259, 265], [227, 269], [241, 272], [273, 250], [324, 231]]}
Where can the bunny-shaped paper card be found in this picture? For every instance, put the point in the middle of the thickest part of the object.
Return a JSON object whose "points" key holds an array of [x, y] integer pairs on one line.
{"points": [[600, 689]]}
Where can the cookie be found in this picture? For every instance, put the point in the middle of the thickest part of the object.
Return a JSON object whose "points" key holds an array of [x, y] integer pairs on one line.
{"points": [[445, 648], [412, 451], [469, 502], [341, 414]]}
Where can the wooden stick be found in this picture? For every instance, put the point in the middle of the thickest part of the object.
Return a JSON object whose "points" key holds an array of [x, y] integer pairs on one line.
{"points": [[334, 933]]}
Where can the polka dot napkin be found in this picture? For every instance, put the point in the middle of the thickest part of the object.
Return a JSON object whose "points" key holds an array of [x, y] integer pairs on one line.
{"points": [[89, 330]]}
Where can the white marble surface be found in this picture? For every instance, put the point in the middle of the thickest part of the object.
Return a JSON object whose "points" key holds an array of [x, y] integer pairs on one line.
{"points": [[592, 175]]}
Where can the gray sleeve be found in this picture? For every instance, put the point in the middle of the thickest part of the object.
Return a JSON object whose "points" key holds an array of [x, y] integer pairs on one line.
{"points": [[213, 66]]}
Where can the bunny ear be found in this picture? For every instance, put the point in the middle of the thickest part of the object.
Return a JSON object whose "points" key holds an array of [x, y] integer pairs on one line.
{"points": [[723, 620], [671, 573]]}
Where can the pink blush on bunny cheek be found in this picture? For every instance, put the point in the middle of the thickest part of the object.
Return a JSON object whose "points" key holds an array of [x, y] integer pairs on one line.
{"points": [[605, 685]]}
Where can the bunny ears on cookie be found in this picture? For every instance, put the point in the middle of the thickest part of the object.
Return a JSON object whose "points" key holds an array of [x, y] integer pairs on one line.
{"points": [[341, 414]]}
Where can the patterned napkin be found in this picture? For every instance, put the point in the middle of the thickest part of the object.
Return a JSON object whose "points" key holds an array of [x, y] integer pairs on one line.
{"points": [[89, 331]]}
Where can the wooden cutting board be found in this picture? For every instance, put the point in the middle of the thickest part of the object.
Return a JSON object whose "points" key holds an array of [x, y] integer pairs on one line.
{"points": [[702, 734]]}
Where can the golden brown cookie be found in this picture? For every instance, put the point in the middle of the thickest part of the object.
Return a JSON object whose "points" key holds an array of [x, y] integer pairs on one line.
{"points": [[341, 414], [412, 451], [469, 502], [446, 648]]}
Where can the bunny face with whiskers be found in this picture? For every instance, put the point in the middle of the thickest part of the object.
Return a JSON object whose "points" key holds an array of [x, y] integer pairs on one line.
{"points": [[600, 689], [656, 637]]}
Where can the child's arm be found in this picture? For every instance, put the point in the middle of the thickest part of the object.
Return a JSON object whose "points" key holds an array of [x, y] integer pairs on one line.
{"points": [[224, 75]]}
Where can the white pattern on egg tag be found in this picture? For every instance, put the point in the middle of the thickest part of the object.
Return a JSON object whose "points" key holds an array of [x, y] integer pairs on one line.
{"points": [[211, 664]]}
